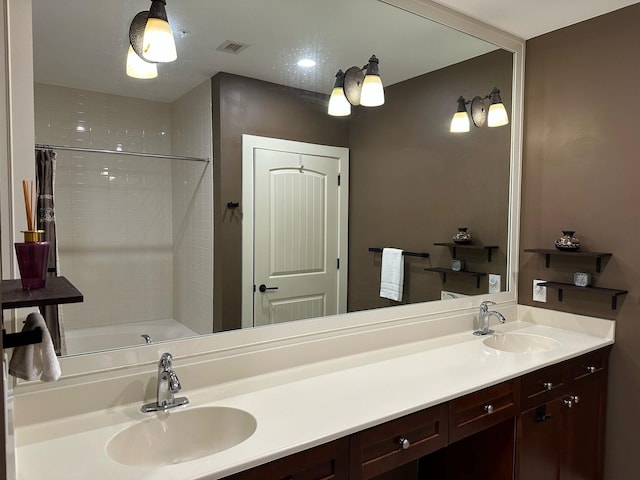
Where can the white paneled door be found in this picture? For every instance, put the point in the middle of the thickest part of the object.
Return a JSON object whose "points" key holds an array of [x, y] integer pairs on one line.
{"points": [[299, 230]]}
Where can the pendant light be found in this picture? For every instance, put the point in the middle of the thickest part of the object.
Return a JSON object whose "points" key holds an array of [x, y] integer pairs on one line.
{"points": [[158, 44], [339, 106], [372, 91]]}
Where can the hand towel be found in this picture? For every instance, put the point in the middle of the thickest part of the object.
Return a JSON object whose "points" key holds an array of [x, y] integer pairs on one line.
{"points": [[392, 274], [39, 361]]}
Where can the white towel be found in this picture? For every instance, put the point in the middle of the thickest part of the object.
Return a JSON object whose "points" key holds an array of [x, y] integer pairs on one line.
{"points": [[392, 274], [39, 361]]}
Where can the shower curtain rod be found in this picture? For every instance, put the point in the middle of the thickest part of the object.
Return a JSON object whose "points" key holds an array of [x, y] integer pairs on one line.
{"points": [[137, 154]]}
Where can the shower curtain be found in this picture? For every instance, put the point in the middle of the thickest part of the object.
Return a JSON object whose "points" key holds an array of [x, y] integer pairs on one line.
{"points": [[45, 180]]}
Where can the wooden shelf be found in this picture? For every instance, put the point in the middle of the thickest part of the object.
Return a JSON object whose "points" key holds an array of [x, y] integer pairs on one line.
{"points": [[448, 271], [547, 252], [612, 292], [475, 246], [57, 291]]}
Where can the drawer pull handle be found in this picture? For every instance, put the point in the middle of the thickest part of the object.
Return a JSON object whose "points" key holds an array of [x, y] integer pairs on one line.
{"points": [[404, 443], [547, 386], [591, 369], [488, 408], [573, 400]]}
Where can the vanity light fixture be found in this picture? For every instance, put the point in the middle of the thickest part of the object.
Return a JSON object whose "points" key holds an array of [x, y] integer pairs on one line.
{"points": [[357, 86], [137, 66], [494, 116], [339, 106], [158, 44], [150, 41]]}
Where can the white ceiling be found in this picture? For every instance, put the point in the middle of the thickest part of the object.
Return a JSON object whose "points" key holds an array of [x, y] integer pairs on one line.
{"points": [[530, 18], [83, 44]]}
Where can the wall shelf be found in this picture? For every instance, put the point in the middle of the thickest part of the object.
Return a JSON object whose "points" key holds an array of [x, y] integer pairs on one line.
{"points": [[448, 271], [57, 291], [547, 252], [475, 246], [612, 292]]}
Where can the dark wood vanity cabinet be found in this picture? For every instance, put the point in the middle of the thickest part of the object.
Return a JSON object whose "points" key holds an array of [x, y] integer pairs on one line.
{"points": [[381, 449], [562, 435], [551, 421], [326, 462]]}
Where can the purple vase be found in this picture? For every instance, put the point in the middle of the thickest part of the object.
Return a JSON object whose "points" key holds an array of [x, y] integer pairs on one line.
{"points": [[33, 258]]}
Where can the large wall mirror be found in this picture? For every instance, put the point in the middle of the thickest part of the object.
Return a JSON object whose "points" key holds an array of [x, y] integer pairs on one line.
{"points": [[158, 244]]}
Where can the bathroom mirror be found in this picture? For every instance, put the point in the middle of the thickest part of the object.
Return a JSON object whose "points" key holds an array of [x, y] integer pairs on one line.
{"points": [[411, 182]]}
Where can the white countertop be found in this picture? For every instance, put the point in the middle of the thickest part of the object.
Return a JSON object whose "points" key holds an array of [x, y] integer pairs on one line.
{"points": [[306, 409]]}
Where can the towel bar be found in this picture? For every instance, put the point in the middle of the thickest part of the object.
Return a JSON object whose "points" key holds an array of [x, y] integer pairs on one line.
{"points": [[407, 254], [19, 339]]}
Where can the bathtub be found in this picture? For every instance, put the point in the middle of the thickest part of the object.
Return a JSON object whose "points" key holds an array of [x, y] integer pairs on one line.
{"points": [[93, 339]]}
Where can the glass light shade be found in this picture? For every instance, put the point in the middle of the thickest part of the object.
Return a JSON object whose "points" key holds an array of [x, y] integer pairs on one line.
{"points": [[138, 68], [339, 106], [460, 122], [158, 44], [497, 115], [372, 94]]}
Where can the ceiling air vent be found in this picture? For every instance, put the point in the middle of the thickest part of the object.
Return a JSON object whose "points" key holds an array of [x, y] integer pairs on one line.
{"points": [[232, 47]]}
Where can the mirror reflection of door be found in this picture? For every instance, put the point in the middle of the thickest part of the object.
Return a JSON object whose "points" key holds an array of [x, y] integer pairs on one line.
{"points": [[299, 265]]}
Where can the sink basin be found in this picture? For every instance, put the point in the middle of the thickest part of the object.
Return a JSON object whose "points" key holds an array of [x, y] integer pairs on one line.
{"points": [[181, 436], [521, 343]]}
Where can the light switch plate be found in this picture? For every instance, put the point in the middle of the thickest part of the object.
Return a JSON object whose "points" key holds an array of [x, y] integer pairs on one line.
{"points": [[494, 283], [539, 293]]}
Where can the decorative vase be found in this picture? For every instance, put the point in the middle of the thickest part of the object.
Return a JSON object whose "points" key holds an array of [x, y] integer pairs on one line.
{"points": [[33, 258], [567, 241], [462, 237]]}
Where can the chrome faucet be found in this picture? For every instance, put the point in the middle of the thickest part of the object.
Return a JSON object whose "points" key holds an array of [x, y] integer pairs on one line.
{"points": [[483, 318], [168, 385]]}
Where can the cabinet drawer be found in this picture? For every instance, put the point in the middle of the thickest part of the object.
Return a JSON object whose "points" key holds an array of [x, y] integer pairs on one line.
{"points": [[480, 410], [545, 384], [326, 462], [384, 447], [589, 364]]}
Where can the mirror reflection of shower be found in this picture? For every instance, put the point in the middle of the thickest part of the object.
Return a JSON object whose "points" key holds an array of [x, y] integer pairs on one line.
{"points": [[139, 223]]}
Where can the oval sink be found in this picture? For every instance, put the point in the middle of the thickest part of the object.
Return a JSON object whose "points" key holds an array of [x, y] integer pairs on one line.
{"points": [[521, 343], [181, 436]]}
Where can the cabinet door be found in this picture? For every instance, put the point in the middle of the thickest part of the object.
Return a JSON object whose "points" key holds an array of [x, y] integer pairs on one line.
{"points": [[540, 442], [586, 429], [326, 462]]}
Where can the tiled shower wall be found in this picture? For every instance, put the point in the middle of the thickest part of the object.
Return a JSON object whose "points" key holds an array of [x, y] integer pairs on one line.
{"points": [[114, 212], [191, 135]]}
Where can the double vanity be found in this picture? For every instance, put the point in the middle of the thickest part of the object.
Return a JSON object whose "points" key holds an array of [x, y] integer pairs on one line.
{"points": [[417, 397]]}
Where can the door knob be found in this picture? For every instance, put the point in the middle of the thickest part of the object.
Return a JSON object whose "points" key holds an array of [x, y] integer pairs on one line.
{"points": [[263, 288]]}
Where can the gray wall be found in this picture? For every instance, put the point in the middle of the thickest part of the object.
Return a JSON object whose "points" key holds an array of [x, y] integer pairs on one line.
{"points": [[581, 172]]}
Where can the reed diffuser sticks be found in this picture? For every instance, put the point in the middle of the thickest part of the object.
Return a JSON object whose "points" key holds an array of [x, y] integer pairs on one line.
{"points": [[30, 203]]}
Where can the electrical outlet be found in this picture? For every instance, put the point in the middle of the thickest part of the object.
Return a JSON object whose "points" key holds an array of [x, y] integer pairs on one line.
{"points": [[539, 293], [494, 283]]}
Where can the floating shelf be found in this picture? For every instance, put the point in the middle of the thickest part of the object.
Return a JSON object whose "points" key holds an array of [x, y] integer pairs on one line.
{"points": [[475, 246], [612, 292], [448, 271], [547, 252], [57, 291]]}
